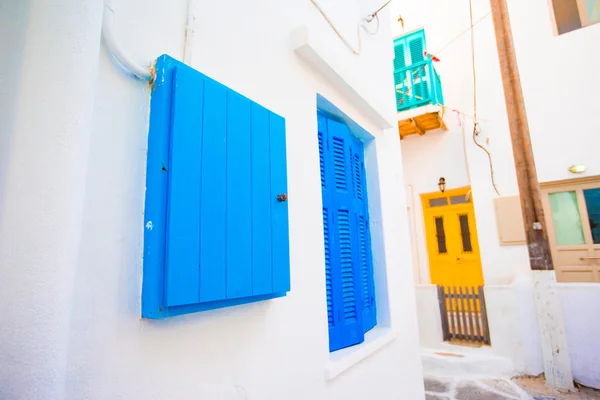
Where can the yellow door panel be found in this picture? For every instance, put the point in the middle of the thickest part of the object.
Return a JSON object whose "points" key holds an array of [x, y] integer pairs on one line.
{"points": [[451, 234]]}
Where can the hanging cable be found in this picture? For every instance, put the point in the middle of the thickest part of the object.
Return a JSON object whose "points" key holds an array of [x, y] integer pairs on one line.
{"points": [[368, 20], [476, 130], [463, 32]]}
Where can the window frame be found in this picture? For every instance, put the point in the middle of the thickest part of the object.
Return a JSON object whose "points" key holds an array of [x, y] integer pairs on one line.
{"points": [[581, 11]]}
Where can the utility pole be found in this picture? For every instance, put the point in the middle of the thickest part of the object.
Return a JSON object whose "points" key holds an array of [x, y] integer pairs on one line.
{"points": [[557, 365]]}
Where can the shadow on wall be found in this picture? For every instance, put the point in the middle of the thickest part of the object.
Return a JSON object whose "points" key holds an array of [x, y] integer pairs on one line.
{"points": [[13, 28]]}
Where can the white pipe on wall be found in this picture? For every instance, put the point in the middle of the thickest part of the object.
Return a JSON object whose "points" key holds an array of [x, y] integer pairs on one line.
{"points": [[120, 56]]}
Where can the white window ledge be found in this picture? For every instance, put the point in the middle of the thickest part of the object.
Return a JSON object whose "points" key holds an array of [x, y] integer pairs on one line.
{"points": [[344, 359]]}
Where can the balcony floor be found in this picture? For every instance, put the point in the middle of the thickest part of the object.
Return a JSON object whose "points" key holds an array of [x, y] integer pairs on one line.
{"points": [[421, 120]]}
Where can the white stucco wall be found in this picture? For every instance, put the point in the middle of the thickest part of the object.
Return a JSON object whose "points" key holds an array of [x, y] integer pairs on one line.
{"points": [[269, 350], [581, 306]]}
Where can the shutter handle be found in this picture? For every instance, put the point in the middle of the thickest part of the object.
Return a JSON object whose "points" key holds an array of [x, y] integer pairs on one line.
{"points": [[282, 197]]}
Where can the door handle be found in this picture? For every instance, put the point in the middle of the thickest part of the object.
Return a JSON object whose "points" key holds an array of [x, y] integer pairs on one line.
{"points": [[589, 258], [282, 197]]}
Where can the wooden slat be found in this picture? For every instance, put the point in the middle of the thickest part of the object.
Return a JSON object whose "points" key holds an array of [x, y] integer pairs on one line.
{"points": [[484, 319], [462, 314], [417, 126], [443, 313], [477, 326], [467, 314]]}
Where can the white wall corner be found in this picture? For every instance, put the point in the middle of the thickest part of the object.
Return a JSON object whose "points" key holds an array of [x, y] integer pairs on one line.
{"points": [[309, 50], [428, 313]]}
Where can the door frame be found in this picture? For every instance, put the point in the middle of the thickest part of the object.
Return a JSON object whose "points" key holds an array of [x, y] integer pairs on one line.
{"points": [[578, 185]]}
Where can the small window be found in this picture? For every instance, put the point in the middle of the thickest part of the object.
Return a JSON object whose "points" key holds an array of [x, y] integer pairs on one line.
{"points": [[566, 218], [462, 199], [439, 202], [570, 15], [592, 202], [440, 235], [465, 233]]}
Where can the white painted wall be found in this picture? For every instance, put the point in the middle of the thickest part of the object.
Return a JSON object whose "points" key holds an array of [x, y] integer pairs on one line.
{"points": [[581, 307], [269, 350]]}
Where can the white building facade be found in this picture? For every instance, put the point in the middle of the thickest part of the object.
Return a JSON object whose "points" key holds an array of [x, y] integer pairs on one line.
{"points": [[74, 180], [561, 110]]}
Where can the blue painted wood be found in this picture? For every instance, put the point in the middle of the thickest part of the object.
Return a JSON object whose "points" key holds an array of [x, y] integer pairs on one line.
{"points": [[183, 213], [279, 210], [156, 188], [216, 163], [213, 202], [347, 327], [262, 266], [239, 197], [363, 237]]}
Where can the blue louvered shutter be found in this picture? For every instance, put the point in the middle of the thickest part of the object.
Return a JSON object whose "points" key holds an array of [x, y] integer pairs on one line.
{"points": [[400, 70], [324, 168], [215, 233], [363, 237], [344, 301], [420, 79]]}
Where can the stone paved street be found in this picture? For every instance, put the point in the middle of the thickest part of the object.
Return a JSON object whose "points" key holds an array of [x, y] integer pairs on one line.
{"points": [[487, 389], [498, 389]]}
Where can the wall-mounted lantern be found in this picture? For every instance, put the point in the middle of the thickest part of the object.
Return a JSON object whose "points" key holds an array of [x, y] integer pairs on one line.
{"points": [[577, 168], [442, 184]]}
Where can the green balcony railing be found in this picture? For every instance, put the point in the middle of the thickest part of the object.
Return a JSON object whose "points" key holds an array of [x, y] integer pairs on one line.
{"points": [[417, 85]]}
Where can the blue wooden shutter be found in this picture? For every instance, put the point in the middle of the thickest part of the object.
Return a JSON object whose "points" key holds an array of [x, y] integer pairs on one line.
{"points": [[344, 301], [419, 75], [400, 70], [363, 238], [215, 233], [183, 217], [324, 167], [416, 46]]}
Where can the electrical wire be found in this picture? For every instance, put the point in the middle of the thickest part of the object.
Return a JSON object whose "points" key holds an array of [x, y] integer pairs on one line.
{"points": [[463, 32], [368, 19], [475, 123]]}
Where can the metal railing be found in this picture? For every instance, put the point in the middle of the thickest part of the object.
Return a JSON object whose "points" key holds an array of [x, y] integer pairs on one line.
{"points": [[417, 85], [464, 314]]}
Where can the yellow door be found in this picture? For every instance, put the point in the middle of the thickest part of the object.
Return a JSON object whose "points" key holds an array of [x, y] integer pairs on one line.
{"points": [[451, 235]]}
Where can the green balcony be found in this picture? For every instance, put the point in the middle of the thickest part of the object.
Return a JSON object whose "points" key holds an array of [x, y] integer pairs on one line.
{"points": [[418, 85], [419, 98]]}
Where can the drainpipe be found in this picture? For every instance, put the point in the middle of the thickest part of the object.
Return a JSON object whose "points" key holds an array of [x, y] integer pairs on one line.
{"points": [[44, 193]]}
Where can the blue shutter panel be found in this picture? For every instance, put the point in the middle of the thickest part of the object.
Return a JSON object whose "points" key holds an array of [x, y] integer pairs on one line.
{"points": [[347, 313], [420, 78], [279, 210], [262, 263], [239, 192], [323, 154], [215, 234], [183, 213], [363, 237]]}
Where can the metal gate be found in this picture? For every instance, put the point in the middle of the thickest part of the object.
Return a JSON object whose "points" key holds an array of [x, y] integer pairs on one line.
{"points": [[464, 314]]}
